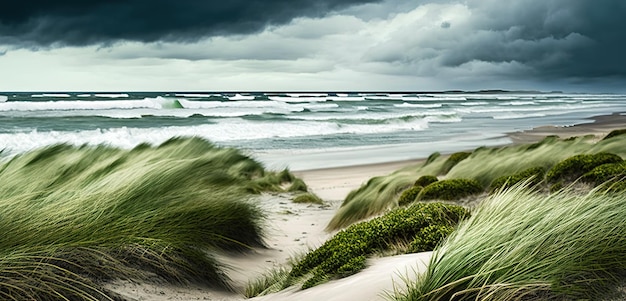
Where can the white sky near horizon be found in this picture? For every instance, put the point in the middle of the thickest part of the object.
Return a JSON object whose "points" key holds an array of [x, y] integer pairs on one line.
{"points": [[396, 45]]}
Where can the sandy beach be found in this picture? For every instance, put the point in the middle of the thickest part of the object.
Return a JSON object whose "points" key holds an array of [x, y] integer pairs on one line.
{"points": [[294, 228]]}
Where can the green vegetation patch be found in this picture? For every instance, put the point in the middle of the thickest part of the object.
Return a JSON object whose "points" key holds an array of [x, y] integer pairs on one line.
{"points": [[434, 156], [298, 185], [75, 216], [425, 180], [336, 256], [450, 190], [409, 195], [522, 245], [533, 175], [573, 167], [308, 198], [421, 226], [453, 160], [615, 133], [611, 173]]}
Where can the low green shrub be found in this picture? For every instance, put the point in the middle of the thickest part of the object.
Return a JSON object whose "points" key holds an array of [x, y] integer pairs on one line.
{"points": [[429, 237], [573, 167], [426, 180], [615, 133], [453, 160], [534, 175], [352, 267], [409, 195], [345, 252], [617, 187], [450, 190], [605, 173], [308, 198]]}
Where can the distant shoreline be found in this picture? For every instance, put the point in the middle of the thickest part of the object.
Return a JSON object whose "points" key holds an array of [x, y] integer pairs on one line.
{"points": [[598, 126]]}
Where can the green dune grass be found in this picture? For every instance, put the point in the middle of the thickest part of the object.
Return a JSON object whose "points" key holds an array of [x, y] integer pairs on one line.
{"points": [[521, 245], [71, 217], [483, 165]]}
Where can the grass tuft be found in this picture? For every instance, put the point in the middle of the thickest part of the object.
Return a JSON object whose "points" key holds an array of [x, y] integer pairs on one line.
{"points": [[520, 245], [73, 217], [298, 186], [450, 190], [308, 198], [573, 167]]}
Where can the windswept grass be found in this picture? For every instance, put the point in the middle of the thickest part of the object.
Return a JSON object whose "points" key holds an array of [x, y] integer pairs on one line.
{"points": [[74, 216], [483, 165], [380, 194], [307, 198], [488, 164], [520, 245]]}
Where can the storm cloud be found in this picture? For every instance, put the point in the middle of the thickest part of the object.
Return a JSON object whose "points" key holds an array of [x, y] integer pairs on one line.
{"points": [[79, 23], [551, 38], [575, 45]]}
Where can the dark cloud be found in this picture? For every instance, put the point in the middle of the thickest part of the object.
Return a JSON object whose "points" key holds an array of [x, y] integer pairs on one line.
{"points": [[574, 38], [549, 38], [78, 22]]}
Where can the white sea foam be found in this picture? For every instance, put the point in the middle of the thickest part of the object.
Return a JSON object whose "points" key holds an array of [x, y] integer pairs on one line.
{"points": [[297, 99], [197, 95], [3, 98], [520, 116], [241, 97], [474, 103], [108, 95], [389, 116], [154, 103], [345, 97], [414, 105], [252, 107], [51, 95], [560, 107], [227, 130], [432, 97], [309, 95], [83, 95], [517, 103]]}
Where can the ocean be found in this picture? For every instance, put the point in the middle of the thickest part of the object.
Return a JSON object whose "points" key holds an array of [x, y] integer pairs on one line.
{"points": [[295, 130]]}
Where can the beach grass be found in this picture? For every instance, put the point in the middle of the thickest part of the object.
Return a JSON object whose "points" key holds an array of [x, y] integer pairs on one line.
{"points": [[523, 245], [483, 165], [73, 217]]}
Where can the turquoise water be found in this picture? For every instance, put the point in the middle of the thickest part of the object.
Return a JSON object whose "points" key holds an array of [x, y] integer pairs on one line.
{"points": [[297, 130]]}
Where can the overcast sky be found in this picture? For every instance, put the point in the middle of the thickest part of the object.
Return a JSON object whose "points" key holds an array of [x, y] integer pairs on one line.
{"points": [[290, 45]]}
